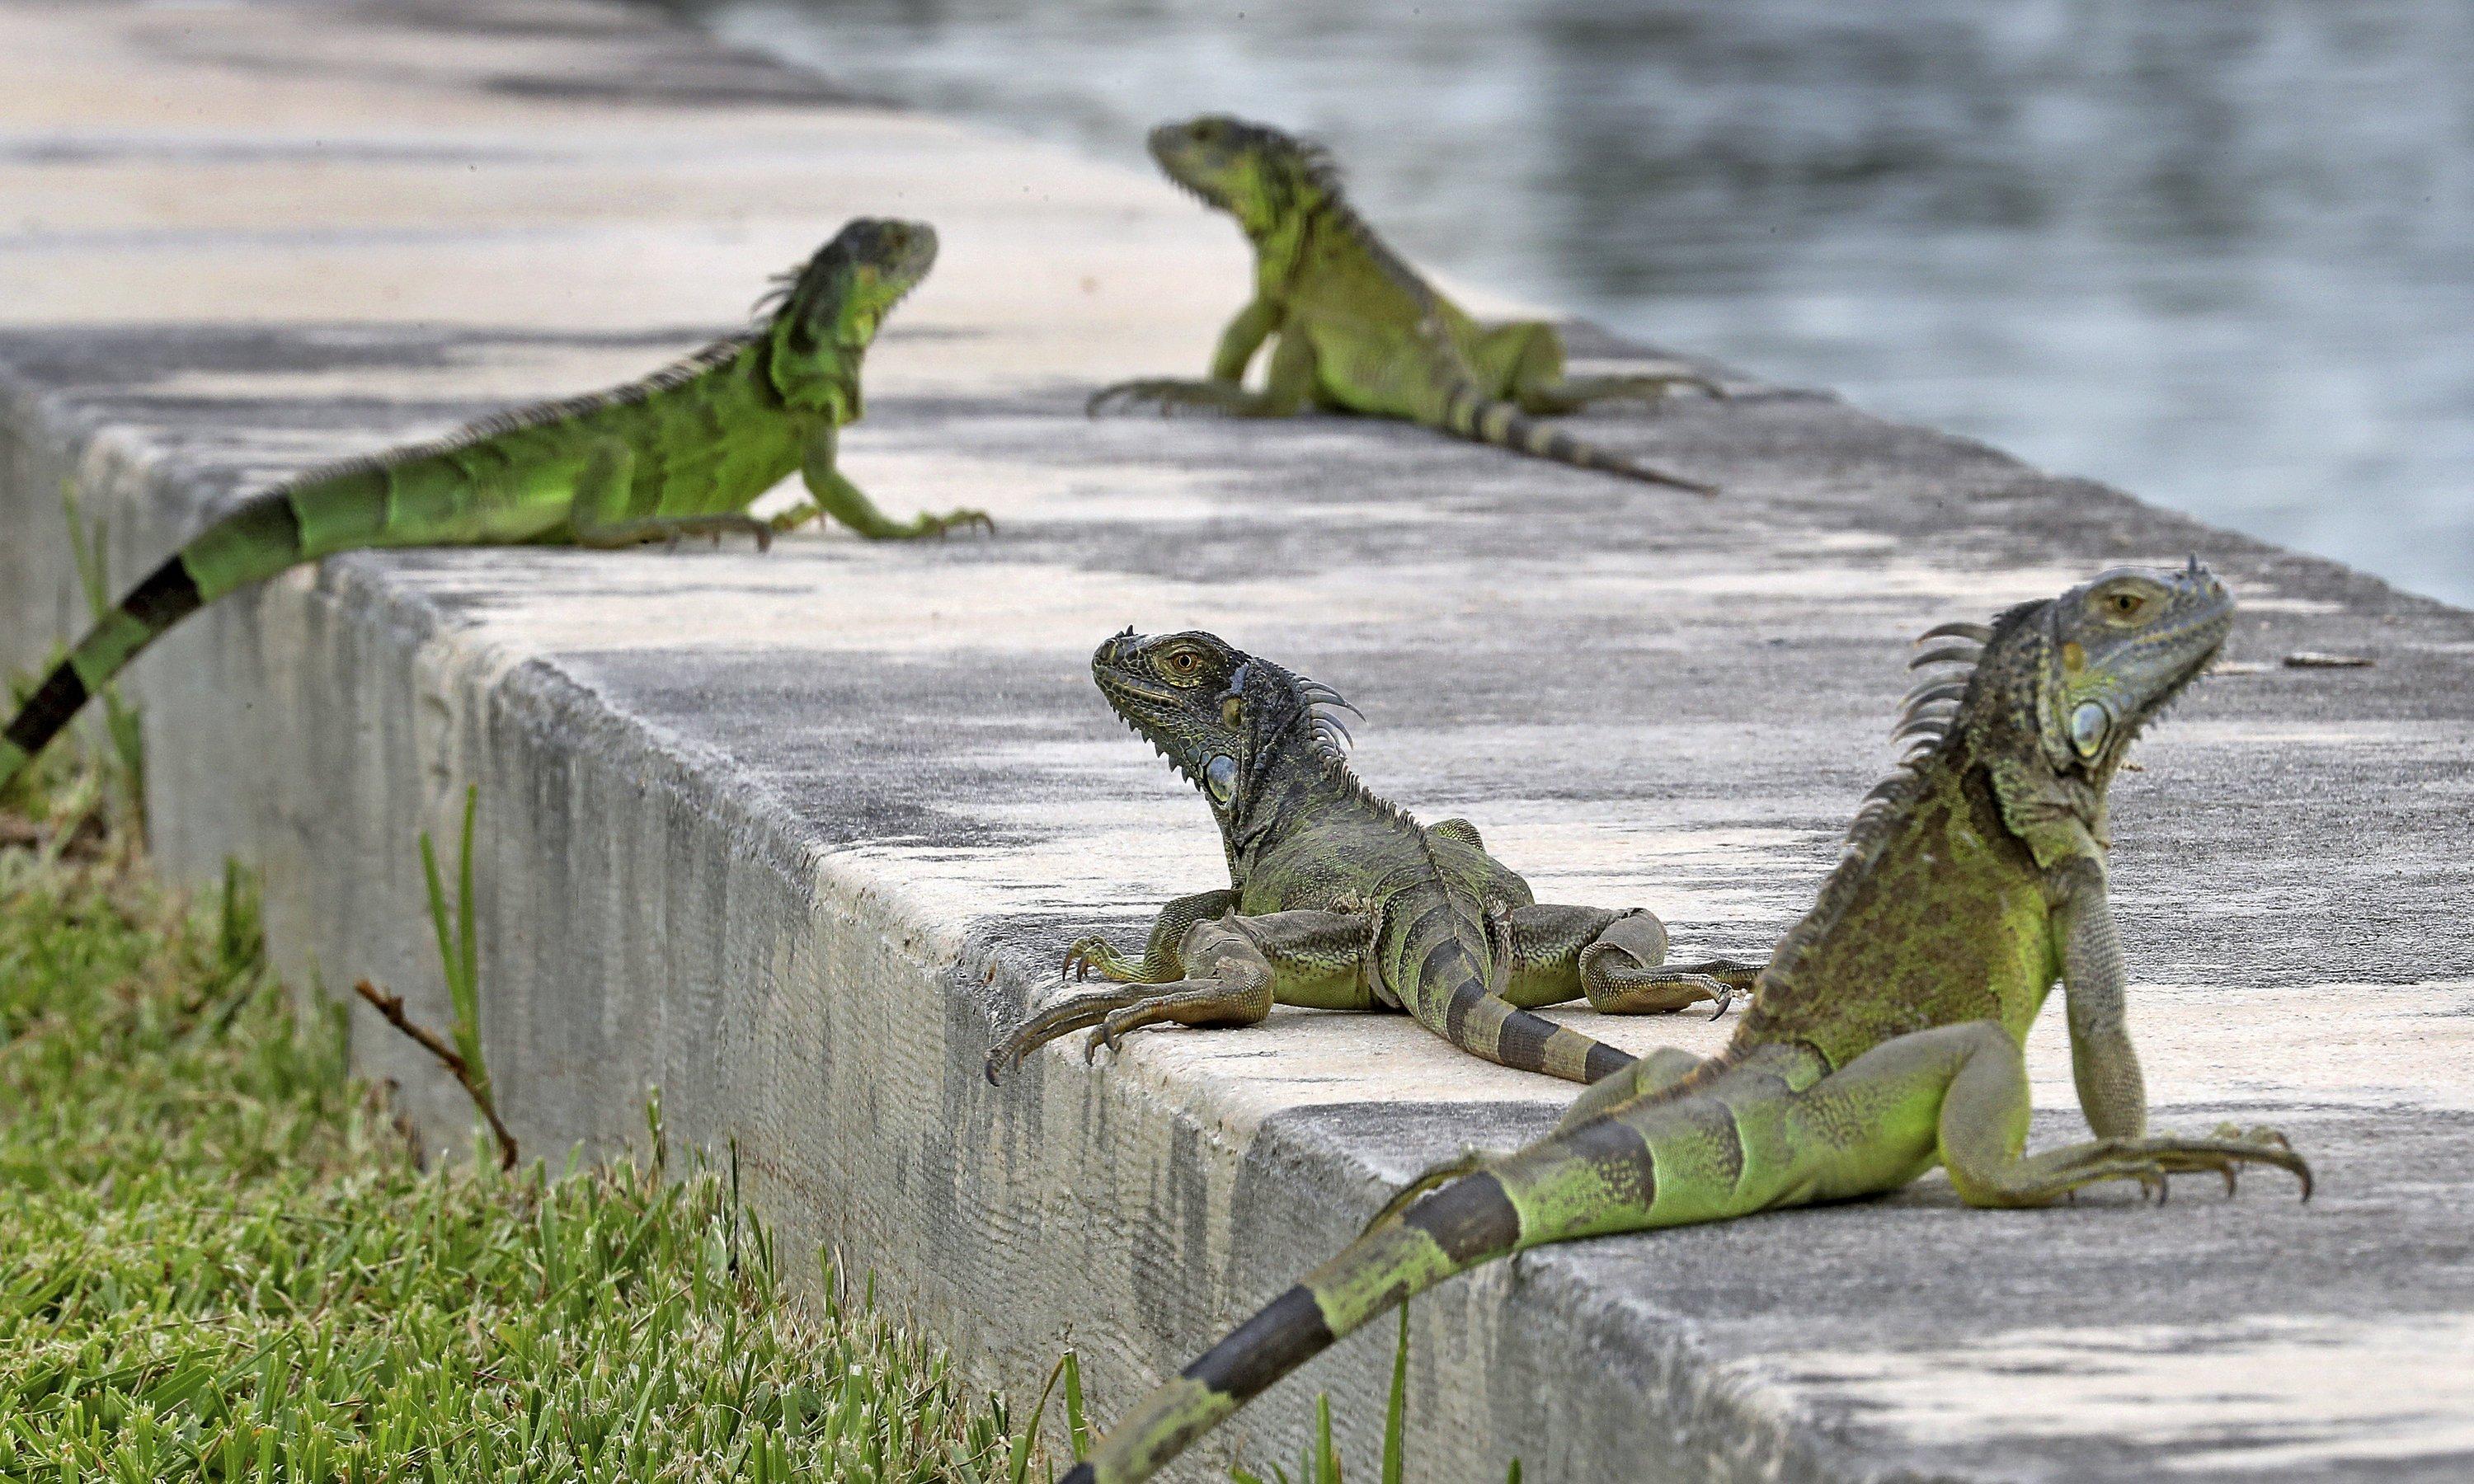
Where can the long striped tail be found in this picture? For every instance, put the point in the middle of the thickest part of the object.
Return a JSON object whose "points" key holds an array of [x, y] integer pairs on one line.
{"points": [[1470, 414], [1433, 950], [254, 542], [1598, 1177]]}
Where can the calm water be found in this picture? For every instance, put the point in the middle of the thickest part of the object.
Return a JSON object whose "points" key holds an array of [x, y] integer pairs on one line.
{"points": [[2218, 252]]}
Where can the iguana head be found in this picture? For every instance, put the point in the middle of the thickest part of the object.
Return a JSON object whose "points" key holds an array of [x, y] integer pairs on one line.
{"points": [[1222, 717], [2056, 690], [2110, 655], [1253, 172], [822, 313]]}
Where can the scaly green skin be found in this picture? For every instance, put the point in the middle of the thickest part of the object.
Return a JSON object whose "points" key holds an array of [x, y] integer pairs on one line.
{"points": [[1356, 328], [1338, 900], [682, 452], [1884, 1038]]}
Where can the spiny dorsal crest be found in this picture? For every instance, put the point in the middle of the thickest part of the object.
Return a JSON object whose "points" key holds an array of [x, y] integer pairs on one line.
{"points": [[769, 304], [1279, 698], [1282, 702], [721, 353], [1320, 174], [1950, 652]]}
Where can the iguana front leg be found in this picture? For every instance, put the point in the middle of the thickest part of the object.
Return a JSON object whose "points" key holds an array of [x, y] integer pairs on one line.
{"points": [[831, 494], [1523, 359], [1243, 336], [599, 518], [1161, 960], [2113, 1092], [1235, 969], [1284, 395], [1615, 959]]}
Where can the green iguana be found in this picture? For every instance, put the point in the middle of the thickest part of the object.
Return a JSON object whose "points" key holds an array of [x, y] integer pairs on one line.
{"points": [[1884, 1038], [682, 452], [1357, 329], [1341, 900]]}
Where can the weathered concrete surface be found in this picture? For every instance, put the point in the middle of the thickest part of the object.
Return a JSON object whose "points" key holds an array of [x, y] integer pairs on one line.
{"points": [[787, 836]]}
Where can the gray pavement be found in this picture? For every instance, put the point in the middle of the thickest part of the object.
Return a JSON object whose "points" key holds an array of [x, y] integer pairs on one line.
{"points": [[788, 835]]}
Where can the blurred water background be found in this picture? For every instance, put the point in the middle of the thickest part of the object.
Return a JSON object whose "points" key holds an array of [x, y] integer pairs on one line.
{"points": [[2219, 253]]}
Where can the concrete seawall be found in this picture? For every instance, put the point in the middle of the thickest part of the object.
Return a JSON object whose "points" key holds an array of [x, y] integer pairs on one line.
{"points": [[785, 836]]}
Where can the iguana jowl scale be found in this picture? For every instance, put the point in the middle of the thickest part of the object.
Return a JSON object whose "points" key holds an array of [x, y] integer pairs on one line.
{"points": [[682, 452], [1341, 900], [1884, 1036]]}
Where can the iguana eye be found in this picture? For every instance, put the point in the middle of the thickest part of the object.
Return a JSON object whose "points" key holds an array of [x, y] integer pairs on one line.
{"points": [[1182, 662], [2124, 604]]}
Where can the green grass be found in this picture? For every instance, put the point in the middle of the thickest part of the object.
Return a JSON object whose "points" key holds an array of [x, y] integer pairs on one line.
{"points": [[220, 1256]]}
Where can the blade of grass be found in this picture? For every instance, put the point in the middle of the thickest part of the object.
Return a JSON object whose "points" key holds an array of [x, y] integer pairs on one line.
{"points": [[1078, 1432], [1396, 1415]]}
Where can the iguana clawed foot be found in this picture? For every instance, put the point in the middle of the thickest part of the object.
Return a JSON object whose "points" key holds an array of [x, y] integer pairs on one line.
{"points": [[670, 530], [1623, 972], [963, 519], [1186, 1002], [2152, 1160], [1229, 983], [1168, 395], [1649, 388], [1098, 956], [862, 516]]}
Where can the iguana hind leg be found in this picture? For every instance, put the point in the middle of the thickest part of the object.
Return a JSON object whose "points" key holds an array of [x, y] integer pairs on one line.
{"points": [[672, 530], [1960, 1092], [1660, 1068], [1614, 959], [1290, 386], [599, 516], [1573, 393], [1234, 969], [1521, 360]]}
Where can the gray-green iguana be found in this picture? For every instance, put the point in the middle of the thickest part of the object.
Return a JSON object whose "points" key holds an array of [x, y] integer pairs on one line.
{"points": [[1341, 900], [1884, 1036], [682, 452], [1356, 330]]}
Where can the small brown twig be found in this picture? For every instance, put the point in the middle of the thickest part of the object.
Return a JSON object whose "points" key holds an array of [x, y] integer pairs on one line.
{"points": [[390, 1006]]}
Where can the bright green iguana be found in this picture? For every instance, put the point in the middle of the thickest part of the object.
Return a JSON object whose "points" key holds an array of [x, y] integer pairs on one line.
{"points": [[682, 452], [1884, 1039], [1341, 900], [1356, 330]]}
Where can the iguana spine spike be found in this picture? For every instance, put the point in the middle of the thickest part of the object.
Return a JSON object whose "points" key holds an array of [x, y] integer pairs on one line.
{"points": [[1932, 688], [1949, 653]]}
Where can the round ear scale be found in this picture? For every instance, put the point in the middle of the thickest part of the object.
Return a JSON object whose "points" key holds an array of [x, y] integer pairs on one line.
{"points": [[2089, 725], [1219, 777]]}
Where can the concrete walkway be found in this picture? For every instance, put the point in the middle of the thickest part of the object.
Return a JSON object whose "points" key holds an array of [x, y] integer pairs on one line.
{"points": [[785, 836]]}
